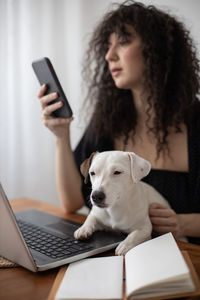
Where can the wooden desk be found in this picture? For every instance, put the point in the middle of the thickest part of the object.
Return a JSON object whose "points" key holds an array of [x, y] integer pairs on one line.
{"points": [[21, 284]]}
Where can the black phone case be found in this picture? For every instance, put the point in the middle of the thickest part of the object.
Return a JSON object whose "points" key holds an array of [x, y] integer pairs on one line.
{"points": [[45, 73]]}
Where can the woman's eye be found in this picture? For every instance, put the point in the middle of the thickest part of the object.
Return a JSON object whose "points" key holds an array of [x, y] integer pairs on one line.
{"points": [[123, 42], [92, 173], [117, 172]]}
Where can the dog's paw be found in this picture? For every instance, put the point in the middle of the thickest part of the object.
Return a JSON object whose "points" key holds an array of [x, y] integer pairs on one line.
{"points": [[83, 232], [123, 248]]}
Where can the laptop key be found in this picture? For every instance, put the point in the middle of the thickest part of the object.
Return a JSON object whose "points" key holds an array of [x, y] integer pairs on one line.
{"points": [[48, 244]]}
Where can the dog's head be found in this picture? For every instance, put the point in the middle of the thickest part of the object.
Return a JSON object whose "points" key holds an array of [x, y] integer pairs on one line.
{"points": [[113, 174]]}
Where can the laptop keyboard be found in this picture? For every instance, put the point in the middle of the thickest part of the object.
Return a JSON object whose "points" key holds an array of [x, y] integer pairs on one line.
{"points": [[49, 244]]}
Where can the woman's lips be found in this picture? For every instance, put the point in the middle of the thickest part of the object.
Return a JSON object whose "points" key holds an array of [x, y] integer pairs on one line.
{"points": [[116, 71]]}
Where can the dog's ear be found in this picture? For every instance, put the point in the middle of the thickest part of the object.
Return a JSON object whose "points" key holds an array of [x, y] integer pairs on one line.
{"points": [[85, 167], [140, 167]]}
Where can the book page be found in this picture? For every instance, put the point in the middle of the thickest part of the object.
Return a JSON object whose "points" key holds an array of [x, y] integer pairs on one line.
{"points": [[155, 261], [93, 278]]}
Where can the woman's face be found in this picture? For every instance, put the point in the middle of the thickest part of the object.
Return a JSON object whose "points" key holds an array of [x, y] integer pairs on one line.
{"points": [[125, 60]]}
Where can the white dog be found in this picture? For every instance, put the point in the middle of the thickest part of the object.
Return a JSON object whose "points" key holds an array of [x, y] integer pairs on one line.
{"points": [[120, 200]]}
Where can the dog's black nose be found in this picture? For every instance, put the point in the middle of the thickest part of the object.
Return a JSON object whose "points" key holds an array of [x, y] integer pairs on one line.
{"points": [[98, 197]]}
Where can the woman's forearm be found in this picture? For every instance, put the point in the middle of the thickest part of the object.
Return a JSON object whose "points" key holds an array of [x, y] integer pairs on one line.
{"points": [[68, 178]]}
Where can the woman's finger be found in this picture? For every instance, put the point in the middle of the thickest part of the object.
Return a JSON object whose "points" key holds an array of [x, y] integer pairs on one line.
{"points": [[47, 111], [171, 221], [42, 91], [56, 122], [161, 212], [45, 100]]}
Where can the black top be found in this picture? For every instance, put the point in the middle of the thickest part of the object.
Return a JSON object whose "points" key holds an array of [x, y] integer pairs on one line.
{"points": [[180, 189]]}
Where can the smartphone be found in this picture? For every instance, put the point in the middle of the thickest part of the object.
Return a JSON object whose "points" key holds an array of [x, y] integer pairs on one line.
{"points": [[45, 73]]}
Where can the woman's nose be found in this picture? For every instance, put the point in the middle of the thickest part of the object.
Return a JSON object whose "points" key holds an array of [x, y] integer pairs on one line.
{"points": [[111, 54]]}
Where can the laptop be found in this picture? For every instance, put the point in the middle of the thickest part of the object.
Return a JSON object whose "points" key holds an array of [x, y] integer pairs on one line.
{"points": [[40, 241]]}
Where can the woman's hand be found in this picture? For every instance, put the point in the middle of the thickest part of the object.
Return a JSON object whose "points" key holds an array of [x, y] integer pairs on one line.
{"points": [[164, 219], [59, 126]]}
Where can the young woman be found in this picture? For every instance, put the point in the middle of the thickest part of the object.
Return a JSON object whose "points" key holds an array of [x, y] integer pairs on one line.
{"points": [[143, 76]]}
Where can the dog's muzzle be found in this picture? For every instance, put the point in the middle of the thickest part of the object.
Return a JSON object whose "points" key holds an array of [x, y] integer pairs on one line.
{"points": [[98, 198]]}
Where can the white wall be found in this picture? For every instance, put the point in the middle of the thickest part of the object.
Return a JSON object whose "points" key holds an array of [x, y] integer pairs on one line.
{"points": [[30, 29]]}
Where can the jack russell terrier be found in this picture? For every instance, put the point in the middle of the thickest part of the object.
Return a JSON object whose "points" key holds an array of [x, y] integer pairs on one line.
{"points": [[120, 201]]}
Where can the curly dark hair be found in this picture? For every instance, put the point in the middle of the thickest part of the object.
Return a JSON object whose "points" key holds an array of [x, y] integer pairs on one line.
{"points": [[171, 74]]}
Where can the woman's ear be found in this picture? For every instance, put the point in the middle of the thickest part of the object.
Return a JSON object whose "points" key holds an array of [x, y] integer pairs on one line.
{"points": [[85, 167], [140, 167]]}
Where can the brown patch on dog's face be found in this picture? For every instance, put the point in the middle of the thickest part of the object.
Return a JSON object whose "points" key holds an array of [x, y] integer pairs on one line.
{"points": [[85, 167]]}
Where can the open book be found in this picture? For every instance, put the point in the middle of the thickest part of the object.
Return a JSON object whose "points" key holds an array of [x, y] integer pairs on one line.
{"points": [[153, 268]]}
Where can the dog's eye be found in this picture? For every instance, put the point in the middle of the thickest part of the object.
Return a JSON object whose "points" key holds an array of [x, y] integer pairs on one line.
{"points": [[117, 173], [92, 173]]}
